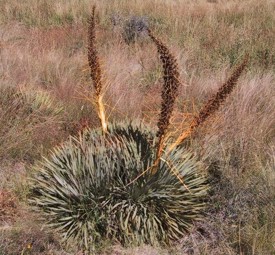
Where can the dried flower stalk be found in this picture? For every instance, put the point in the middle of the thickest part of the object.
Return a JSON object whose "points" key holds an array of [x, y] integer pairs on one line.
{"points": [[169, 93], [213, 103], [96, 73]]}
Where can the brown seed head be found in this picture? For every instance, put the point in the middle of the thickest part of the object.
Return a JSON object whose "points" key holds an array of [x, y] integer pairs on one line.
{"points": [[93, 59], [96, 73], [169, 93], [170, 85], [213, 103]]}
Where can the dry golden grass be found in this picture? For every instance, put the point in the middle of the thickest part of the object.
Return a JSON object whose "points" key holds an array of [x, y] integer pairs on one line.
{"points": [[8, 206]]}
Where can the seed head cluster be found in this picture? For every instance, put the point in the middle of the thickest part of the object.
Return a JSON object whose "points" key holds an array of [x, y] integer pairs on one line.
{"points": [[96, 73], [170, 85], [93, 59], [214, 103]]}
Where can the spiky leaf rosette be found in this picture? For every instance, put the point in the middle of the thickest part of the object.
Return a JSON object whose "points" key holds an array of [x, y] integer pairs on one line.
{"points": [[86, 188]]}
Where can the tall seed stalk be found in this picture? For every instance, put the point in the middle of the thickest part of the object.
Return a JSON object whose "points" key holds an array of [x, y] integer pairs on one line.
{"points": [[169, 93], [96, 73], [214, 103]]}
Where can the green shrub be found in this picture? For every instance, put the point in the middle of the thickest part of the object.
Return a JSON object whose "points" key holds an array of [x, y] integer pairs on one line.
{"points": [[88, 188]]}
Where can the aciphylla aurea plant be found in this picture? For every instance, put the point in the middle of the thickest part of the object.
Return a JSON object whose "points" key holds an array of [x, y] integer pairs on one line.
{"points": [[125, 181]]}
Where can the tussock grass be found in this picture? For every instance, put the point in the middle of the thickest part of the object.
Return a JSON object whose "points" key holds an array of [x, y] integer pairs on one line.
{"points": [[24, 115]]}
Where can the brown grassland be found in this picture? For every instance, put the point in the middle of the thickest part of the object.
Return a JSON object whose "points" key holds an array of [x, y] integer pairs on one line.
{"points": [[44, 73]]}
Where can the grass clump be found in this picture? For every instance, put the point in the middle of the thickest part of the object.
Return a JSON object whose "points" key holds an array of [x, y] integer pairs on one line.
{"points": [[24, 114]]}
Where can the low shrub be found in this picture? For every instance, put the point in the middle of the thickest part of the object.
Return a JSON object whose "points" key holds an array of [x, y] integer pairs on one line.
{"points": [[88, 189]]}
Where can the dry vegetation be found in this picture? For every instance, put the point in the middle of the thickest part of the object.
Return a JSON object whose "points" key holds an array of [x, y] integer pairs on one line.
{"points": [[44, 71]]}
